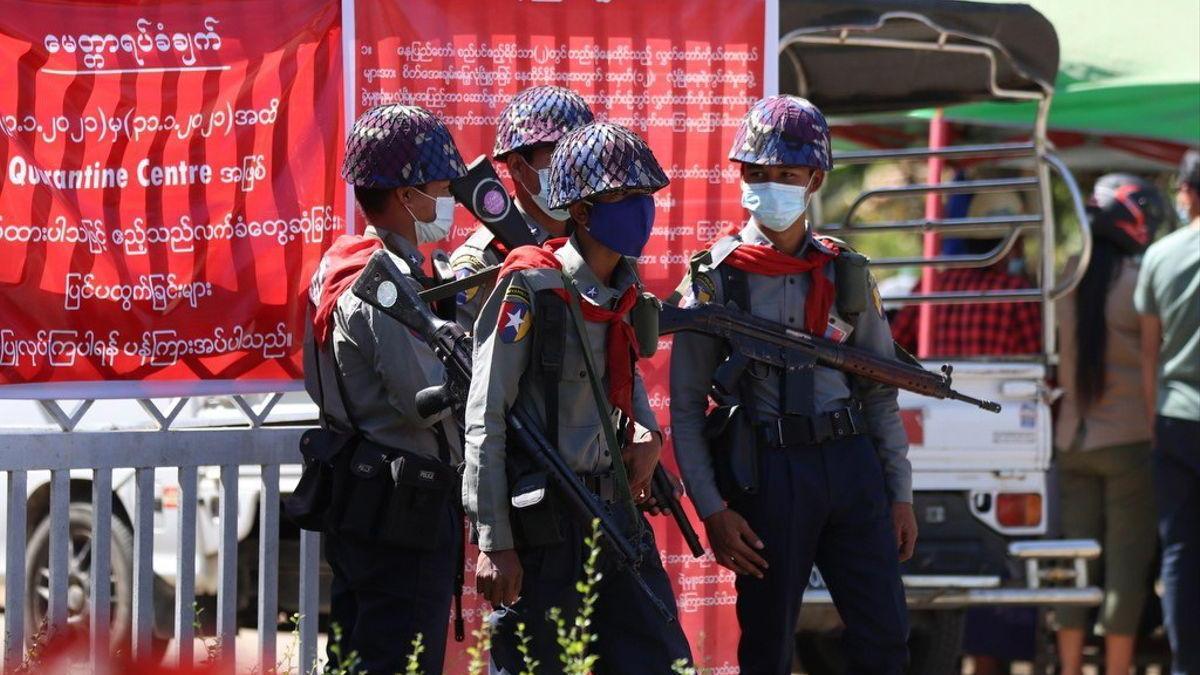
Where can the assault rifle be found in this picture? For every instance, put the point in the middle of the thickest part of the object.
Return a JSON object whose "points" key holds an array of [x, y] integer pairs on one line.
{"points": [[383, 286], [752, 338], [482, 193]]}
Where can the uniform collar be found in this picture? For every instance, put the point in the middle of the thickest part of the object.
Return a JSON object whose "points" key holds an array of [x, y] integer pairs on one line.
{"points": [[585, 280], [534, 228], [752, 234], [398, 245]]}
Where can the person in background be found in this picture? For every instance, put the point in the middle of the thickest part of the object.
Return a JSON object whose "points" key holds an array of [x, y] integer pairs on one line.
{"points": [[1168, 298], [526, 134], [979, 329], [1102, 438], [993, 637]]}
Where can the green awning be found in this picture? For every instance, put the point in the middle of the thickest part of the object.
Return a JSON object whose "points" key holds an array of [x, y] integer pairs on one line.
{"points": [[1127, 68]]}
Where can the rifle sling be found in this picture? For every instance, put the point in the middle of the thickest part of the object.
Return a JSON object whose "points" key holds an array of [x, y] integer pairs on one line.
{"points": [[606, 418], [448, 290]]}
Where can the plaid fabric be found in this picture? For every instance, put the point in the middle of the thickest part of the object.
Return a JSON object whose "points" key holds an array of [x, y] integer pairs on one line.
{"points": [[976, 329]]}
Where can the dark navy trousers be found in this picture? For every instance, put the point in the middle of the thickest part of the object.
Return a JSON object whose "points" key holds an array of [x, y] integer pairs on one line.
{"points": [[632, 636], [1177, 494], [824, 504], [383, 596]]}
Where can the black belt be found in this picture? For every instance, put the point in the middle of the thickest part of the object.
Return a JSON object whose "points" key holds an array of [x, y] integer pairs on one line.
{"points": [[811, 429], [603, 485]]}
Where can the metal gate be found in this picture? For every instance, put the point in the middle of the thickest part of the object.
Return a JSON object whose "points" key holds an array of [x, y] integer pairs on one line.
{"points": [[67, 454]]}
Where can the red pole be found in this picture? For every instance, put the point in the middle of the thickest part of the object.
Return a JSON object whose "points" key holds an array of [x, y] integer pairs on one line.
{"points": [[938, 136]]}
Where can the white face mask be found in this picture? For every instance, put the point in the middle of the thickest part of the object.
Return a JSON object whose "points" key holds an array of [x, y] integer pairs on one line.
{"points": [[542, 196], [775, 206], [439, 227]]}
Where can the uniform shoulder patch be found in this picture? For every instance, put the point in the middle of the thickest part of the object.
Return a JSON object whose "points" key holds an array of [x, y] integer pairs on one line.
{"points": [[704, 289], [464, 265], [515, 317], [876, 298]]}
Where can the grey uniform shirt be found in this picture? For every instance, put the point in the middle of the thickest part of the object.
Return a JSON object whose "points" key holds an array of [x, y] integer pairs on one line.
{"points": [[383, 365], [475, 255], [504, 376], [694, 357]]}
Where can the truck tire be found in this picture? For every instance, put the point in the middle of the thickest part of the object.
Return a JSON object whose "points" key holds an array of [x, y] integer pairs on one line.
{"points": [[934, 646], [820, 653], [935, 641], [37, 581]]}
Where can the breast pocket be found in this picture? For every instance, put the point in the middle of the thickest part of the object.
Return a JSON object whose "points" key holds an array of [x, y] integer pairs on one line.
{"points": [[577, 403]]}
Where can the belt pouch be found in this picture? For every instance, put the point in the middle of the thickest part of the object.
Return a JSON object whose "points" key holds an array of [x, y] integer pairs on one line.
{"points": [[735, 451], [536, 515], [310, 504], [421, 489], [363, 492]]}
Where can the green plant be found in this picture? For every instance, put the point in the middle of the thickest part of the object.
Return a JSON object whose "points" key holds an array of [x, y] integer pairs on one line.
{"points": [[478, 651], [576, 640], [414, 657], [531, 664], [346, 664]]}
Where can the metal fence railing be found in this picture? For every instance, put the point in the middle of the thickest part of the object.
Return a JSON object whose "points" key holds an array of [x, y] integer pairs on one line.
{"points": [[68, 456]]}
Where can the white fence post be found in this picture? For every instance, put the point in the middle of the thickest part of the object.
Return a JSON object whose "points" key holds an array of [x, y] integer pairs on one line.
{"points": [[268, 559], [227, 559], [101, 592], [14, 571], [185, 567]]}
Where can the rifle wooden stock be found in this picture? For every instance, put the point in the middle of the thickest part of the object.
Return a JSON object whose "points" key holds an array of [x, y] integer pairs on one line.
{"points": [[770, 342]]}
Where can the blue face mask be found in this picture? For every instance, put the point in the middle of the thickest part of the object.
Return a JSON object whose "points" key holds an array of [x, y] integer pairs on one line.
{"points": [[623, 226]]}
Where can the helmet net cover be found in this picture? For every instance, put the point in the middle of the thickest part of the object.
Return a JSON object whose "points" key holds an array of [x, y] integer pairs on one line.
{"points": [[783, 131], [539, 116], [392, 146], [600, 158]]}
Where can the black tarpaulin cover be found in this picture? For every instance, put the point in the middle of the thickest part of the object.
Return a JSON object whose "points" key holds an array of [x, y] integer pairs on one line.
{"points": [[852, 79]]}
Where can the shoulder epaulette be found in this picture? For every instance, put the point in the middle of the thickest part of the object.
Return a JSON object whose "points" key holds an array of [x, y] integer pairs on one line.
{"points": [[721, 250], [480, 238]]}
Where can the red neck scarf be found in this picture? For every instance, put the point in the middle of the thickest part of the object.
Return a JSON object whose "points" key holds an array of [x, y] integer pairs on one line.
{"points": [[339, 269], [621, 339], [767, 260]]}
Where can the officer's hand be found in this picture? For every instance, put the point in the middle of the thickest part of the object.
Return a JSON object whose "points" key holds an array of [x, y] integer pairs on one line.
{"points": [[904, 523], [498, 576], [734, 544], [652, 506], [640, 460]]}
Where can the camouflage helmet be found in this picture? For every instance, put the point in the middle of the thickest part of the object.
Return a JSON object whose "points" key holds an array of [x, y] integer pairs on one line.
{"points": [[783, 130], [392, 146], [539, 116], [1126, 210], [600, 158]]}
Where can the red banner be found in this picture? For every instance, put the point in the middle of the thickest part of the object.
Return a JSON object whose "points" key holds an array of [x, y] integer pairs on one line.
{"points": [[170, 184], [679, 72]]}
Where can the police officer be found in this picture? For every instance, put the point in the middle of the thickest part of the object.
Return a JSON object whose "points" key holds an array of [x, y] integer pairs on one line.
{"points": [[392, 580], [529, 128], [833, 482], [555, 339]]}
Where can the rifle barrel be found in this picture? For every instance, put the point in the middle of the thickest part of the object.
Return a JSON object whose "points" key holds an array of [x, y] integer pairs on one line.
{"points": [[733, 325]]}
